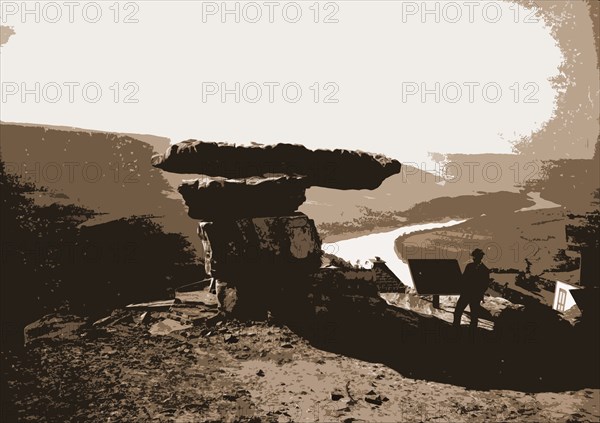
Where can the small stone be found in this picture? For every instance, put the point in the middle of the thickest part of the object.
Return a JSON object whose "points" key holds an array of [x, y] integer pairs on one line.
{"points": [[287, 345], [336, 395], [372, 399], [260, 373], [166, 327], [230, 339]]}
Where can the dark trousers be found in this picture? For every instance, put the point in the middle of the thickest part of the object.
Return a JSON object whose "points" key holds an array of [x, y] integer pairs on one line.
{"points": [[473, 304]]}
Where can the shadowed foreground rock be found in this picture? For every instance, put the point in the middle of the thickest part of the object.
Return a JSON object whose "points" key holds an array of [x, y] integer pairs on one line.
{"points": [[261, 244], [53, 327], [338, 169], [250, 258]]}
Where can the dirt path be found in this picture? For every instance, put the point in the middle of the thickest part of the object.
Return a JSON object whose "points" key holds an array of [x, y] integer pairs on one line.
{"points": [[246, 372]]}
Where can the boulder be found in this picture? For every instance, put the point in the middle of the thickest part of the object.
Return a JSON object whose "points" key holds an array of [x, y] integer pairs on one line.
{"points": [[347, 281], [500, 308], [246, 251], [218, 198], [339, 294], [253, 259], [534, 322], [338, 169], [227, 297], [54, 327], [167, 326], [244, 300], [334, 307]]}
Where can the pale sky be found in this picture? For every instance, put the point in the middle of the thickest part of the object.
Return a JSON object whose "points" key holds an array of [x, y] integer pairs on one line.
{"points": [[375, 53]]}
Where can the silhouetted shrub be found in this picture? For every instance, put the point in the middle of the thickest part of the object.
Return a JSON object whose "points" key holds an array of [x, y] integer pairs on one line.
{"points": [[55, 257]]}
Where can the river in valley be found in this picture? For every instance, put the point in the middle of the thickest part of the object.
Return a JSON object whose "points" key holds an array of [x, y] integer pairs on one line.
{"points": [[382, 245]]}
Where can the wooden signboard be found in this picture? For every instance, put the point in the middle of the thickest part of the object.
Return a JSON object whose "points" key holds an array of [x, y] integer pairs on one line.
{"points": [[435, 276]]}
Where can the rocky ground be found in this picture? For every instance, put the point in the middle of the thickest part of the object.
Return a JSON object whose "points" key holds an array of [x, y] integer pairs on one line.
{"points": [[176, 363]]}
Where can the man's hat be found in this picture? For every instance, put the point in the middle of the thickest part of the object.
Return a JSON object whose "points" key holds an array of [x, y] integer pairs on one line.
{"points": [[477, 252]]}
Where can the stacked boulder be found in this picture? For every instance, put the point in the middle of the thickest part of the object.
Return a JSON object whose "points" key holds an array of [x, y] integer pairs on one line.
{"points": [[258, 247]]}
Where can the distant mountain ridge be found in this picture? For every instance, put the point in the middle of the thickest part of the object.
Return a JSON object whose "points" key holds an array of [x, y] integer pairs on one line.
{"points": [[106, 172]]}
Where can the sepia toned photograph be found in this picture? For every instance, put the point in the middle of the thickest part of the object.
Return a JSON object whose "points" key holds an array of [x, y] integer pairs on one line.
{"points": [[300, 211]]}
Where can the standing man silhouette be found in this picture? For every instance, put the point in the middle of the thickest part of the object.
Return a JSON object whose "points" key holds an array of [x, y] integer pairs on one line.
{"points": [[475, 281]]}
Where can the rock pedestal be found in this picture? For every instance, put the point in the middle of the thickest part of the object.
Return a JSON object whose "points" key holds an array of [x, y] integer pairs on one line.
{"points": [[252, 259], [216, 198], [238, 248], [260, 250]]}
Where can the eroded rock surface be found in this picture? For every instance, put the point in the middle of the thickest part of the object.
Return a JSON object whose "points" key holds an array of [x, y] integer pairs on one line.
{"points": [[339, 169], [218, 198], [54, 327], [252, 259], [259, 249], [237, 248]]}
